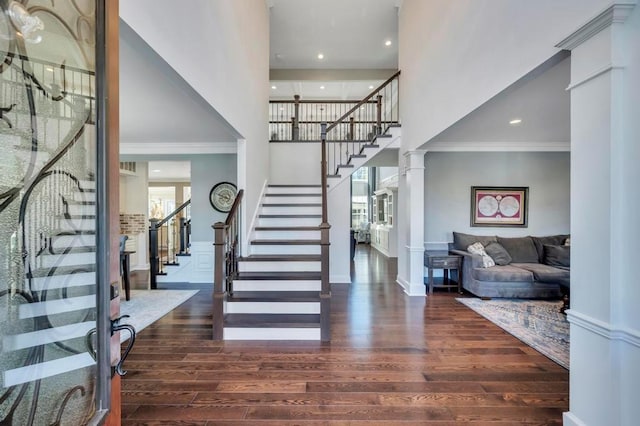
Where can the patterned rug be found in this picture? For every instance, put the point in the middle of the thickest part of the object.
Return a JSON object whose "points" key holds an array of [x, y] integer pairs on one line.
{"points": [[148, 306], [537, 323]]}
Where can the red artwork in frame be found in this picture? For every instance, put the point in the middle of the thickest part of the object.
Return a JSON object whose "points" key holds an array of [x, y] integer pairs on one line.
{"points": [[499, 206]]}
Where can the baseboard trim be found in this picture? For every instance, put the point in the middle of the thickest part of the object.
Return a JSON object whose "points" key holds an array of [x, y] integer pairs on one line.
{"points": [[568, 419], [604, 329], [249, 233], [413, 291], [340, 279]]}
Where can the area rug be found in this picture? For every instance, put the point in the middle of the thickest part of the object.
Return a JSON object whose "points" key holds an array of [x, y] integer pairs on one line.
{"points": [[537, 323], [147, 306]]}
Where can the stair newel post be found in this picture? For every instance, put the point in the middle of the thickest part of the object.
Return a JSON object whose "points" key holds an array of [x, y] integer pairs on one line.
{"points": [[154, 259], [379, 115], [219, 276], [183, 228], [296, 118], [325, 291]]}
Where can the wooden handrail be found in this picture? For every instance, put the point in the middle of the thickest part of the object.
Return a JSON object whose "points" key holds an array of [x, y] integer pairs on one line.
{"points": [[234, 207], [173, 213], [362, 102]]}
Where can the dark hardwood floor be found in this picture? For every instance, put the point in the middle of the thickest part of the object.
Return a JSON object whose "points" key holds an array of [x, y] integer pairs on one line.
{"points": [[393, 360]]}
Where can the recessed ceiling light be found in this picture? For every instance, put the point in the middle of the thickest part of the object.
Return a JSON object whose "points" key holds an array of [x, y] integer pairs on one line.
{"points": [[515, 121], [281, 108], [371, 87], [320, 56], [274, 87], [49, 69], [387, 43], [156, 170], [321, 87]]}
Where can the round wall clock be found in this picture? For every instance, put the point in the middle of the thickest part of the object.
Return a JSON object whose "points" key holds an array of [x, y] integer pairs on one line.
{"points": [[222, 196]]}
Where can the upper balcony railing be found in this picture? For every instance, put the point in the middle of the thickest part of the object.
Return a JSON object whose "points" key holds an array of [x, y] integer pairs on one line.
{"points": [[355, 120]]}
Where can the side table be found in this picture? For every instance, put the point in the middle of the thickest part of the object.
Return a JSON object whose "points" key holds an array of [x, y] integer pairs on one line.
{"points": [[434, 259]]}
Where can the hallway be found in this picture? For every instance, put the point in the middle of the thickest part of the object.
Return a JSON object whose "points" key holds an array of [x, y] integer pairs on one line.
{"points": [[392, 360]]}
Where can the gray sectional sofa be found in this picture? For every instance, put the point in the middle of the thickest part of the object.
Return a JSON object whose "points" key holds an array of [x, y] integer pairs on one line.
{"points": [[533, 267]]}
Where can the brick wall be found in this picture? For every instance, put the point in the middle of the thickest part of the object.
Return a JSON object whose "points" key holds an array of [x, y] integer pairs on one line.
{"points": [[133, 224]]}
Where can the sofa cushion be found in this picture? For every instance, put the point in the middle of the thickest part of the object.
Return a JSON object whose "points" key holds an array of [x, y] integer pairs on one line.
{"points": [[478, 248], [498, 253], [462, 241], [557, 255], [546, 273], [502, 273], [521, 249], [555, 240]]}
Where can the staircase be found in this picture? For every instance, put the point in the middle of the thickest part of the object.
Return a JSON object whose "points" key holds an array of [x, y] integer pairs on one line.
{"points": [[276, 294]]}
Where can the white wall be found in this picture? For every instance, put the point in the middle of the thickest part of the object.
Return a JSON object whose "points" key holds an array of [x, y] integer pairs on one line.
{"points": [[294, 163], [456, 55], [339, 201], [221, 48], [449, 177], [134, 199]]}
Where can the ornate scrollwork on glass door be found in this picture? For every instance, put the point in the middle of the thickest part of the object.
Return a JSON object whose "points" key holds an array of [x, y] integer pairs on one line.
{"points": [[48, 226]]}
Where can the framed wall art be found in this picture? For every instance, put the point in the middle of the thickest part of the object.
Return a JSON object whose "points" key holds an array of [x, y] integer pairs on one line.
{"points": [[499, 206]]}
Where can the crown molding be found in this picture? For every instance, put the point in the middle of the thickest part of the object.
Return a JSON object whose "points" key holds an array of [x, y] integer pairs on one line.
{"points": [[499, 147], [177, 148], [617, 13]]}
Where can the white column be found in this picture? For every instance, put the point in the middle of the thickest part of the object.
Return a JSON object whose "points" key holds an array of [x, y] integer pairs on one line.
{"points": [[411, 223], [605, 230]]}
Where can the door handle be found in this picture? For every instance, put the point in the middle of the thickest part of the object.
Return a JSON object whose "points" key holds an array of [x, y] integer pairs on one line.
{"points": [[115, 327]]}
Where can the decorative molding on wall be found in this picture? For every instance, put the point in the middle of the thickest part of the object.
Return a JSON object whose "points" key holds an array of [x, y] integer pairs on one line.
{"points": [[173, 148], [499, 147], [617, 13], [436, 245], [604, 329], [597, 73]]}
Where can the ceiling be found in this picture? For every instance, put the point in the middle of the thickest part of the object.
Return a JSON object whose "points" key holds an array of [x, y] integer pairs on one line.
{"points": [[539, 99], [169, 171], [350, 33]]}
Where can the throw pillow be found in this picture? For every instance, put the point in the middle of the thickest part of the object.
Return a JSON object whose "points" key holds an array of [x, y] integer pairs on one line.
{"points": [[462, 241], [498, 253], [567, 242], [557, 255], [521, 249], [478, 248], [554, 240]]}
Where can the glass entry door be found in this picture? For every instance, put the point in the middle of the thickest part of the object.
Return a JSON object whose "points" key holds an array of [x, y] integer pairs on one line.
{"points": [[50, 241]]}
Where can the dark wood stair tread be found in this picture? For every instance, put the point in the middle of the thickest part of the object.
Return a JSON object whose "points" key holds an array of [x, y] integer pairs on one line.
{"points": [[62, 270], [285, 242], [73, 233], [282, 276], [71, 250], [281, 258], [272, 320], [274, 296]]}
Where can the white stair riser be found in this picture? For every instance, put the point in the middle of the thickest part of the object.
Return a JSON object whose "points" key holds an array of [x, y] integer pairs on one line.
{"points": [[294, 190], [69, 259], [316, 199], [291, 210], [279, 266], [77, 224], [284, 249], [267, 333], [84, 196], [287, 235], [82, 209], [272, 308], [61, 281], [63, 241], [277, 285], [289, 221]]}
